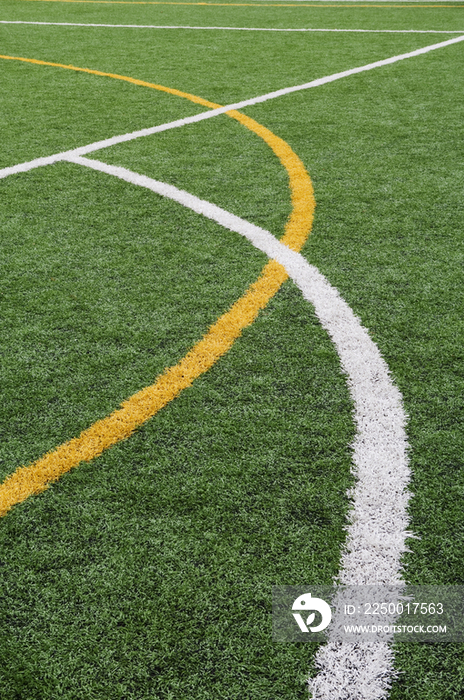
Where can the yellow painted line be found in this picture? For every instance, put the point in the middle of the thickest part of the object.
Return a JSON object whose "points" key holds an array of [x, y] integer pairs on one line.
{"points": [[228, 4], [134, 81], [143, 405], [293, 237]]}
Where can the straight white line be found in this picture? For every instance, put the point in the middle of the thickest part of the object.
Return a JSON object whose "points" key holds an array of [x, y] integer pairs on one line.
{"points": [[105, 143], [377, 532], [237, 29]]}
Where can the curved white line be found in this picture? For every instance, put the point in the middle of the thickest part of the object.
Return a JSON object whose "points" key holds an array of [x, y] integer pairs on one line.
{"points": [[234, 29], [97, 145], [376, 533]]}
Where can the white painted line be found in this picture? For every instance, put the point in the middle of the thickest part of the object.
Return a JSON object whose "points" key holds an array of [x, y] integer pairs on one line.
{"points": [[236, 29], [97, 145], [377, 532], [261, 239]]}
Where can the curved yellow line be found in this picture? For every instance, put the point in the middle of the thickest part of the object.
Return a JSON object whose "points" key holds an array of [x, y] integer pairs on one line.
{"points": [[143, 405], [296, 230], [134, 81]]}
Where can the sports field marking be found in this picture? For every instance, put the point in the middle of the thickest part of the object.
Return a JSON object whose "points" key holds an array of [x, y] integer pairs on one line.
{"points": [[378, 401], [380, 446], [376, 534], [139, 408], [229, 4], [116, 76], [104, 143], [234, 29]]}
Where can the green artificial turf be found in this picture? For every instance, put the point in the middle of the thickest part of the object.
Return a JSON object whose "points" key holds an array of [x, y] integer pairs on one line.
{"points": [[147, 573]]}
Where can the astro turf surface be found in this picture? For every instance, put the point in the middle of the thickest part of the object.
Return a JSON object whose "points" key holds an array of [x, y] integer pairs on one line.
{"points": [[147, 572]]}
